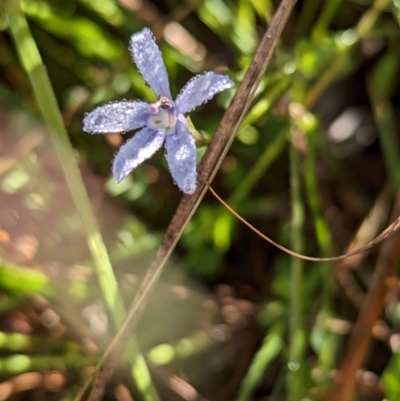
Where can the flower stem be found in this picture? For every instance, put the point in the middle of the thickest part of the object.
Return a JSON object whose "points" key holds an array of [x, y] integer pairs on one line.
{"points": [[296, 331]]}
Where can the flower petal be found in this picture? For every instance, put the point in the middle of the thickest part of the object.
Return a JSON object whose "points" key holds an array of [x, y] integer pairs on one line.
{"points": [[181, 158], [116, 117], [136, 150], [200, 89], [148, 59]]}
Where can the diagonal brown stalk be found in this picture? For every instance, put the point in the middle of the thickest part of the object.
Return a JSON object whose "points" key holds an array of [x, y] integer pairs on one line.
{"points": [[208, 168], [371, 311]]}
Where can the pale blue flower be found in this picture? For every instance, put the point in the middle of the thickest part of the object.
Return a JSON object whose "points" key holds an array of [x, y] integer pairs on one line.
{"points": [[160, 121]]}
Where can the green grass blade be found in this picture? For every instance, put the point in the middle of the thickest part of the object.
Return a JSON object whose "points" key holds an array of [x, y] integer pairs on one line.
{"points": [[381, 84], [296, 327], [270, 349], [32, 63]]}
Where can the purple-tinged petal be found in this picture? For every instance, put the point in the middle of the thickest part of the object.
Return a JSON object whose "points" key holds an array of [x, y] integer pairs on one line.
{"points": [[148, 59], [200, 89], [117, 117], [181, 158], [135, 151]]}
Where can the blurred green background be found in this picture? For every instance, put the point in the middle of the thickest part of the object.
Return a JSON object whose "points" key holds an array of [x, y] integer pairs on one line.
{"points": [[315, 166]]}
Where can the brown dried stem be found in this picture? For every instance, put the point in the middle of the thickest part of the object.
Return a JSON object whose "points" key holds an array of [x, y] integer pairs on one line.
{"points": [[371, 311], [208, 168]]}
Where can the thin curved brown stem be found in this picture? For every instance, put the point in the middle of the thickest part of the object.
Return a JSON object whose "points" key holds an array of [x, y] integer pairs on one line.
{"points": [[384, 234]]}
